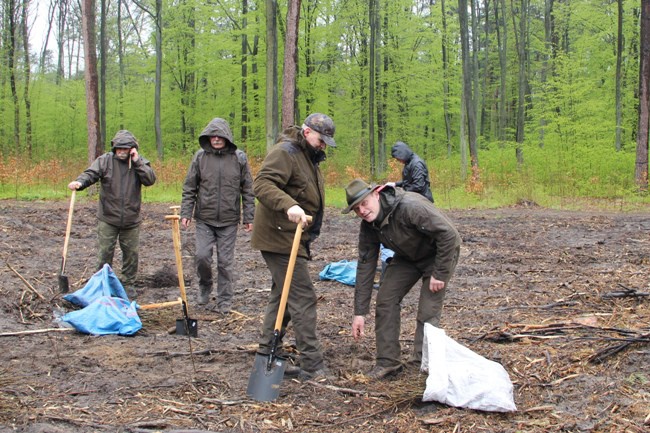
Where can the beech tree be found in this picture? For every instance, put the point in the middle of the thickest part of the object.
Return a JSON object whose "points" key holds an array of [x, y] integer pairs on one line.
{"points": [[641, 168], [91, 78]]}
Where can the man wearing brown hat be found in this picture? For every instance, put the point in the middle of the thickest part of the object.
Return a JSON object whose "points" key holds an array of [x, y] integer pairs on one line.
{"points": [[122, 173], [289, 186], [426, 245]]}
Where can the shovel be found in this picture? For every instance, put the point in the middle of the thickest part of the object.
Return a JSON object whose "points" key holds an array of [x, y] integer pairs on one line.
{"points": [[184, 326], [64, 285], [268, 370]]}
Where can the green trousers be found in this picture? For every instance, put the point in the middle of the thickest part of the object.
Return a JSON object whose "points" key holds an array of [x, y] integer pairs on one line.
{"points": [[400, 276], [300, 310], [107, 236]]}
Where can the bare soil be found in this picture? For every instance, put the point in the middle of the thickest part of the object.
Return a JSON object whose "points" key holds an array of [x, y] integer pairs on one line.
{"points": [[559, 298]]}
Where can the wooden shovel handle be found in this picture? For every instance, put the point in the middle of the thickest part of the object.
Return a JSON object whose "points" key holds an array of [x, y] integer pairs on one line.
{"points": [[161, 304], [289, 276], [67, 230]]}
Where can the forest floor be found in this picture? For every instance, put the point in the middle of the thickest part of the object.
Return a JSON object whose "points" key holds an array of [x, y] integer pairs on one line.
{"points": [[559, 298]]}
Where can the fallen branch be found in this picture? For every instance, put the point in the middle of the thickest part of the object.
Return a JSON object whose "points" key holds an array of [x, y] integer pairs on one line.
{"points": [[35, 331], [349, 391], [29, 286], [612, 350], [625, 293]]}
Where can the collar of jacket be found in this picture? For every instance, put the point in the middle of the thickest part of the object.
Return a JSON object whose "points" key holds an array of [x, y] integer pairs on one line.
{"points": [[226, 150], [315, 156], [389, 198]]}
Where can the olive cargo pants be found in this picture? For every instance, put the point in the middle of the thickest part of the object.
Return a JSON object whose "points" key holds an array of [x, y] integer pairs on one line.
{"points": [[301, 310], [107, 237], [400, 276]]}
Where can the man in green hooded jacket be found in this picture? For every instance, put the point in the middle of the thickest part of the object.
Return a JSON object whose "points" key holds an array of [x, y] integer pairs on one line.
{"points": [[218, 184], [122, 173]]}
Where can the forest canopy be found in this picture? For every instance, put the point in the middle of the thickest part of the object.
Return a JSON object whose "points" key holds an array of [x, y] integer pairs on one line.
{"points": [[535, 91]]}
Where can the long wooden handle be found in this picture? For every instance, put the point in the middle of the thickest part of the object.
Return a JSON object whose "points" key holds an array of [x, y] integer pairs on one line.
{"points": [[161, 304], [287, 279], [68, 229], [176, 237]]}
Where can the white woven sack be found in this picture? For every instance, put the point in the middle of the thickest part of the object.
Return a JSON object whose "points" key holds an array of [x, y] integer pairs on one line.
{"points": [[461, 378]]}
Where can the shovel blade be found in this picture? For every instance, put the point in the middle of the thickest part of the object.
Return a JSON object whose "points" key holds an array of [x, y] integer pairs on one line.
{"points": [[264, 384], [187, 327], [64, 284]]}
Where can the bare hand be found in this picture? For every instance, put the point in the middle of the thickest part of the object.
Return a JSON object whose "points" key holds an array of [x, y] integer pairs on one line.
{"points": [[297, 215], [436, 285], [134, 154], [74, 185], [357, 327], [248, 227], [185, 222]]}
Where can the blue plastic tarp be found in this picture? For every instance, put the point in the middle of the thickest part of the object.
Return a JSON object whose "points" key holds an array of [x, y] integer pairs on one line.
{"points": [[106, 307], [343, 271]]}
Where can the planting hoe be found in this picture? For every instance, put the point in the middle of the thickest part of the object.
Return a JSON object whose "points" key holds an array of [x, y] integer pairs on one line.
{"points": [[64, 285], [184, 326], [268, 369]]}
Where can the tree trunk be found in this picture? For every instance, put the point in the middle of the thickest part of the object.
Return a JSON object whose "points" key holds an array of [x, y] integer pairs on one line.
{"points": [[641, 169], [103, 46], [290, 64], [502, 37], [13, 11], [445, 75], [244, 71], [50, 21], [470, 108], [157, 90], [271, 73], [90, 75], [372, 88], [521, 100], [548, 45], [619, 63], [61, 26], [120, 63], [26, 66]]}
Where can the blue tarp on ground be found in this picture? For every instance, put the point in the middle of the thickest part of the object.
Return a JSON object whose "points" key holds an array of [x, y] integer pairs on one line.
{"points": [[343, 271], [105, 306]]}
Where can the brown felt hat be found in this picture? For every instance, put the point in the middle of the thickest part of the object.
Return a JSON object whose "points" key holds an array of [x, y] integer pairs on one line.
{"points": [[356, 191]]}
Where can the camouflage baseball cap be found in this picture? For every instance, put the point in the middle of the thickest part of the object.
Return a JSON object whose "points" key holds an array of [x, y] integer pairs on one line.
{"points": [[324, 125]]}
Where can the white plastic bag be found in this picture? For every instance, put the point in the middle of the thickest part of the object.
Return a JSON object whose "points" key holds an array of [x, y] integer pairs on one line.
{"points": [[461, 378]]}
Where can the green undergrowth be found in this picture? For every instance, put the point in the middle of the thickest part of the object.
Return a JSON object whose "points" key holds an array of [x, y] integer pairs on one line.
{"points": [[558, 181]]}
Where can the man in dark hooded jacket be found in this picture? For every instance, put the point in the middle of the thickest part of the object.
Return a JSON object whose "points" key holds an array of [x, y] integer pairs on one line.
{"points": [[415, 174], [289, 186], [122, 173], [218, 184], [426, 245]]}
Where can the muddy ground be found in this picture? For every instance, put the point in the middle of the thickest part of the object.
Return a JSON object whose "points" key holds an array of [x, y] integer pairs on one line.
{"points": [[551, 295]]}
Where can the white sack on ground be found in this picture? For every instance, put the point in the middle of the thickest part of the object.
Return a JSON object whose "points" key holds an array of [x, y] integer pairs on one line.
{"points": [[461, 378]]}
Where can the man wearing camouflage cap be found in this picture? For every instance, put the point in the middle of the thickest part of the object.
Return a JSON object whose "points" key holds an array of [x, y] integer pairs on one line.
{"points": [[122, 173], [289, 186]]}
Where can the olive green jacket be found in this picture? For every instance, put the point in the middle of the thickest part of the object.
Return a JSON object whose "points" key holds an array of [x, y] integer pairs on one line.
{"points": [[218, 182], [120, 194], [416, 230], [290, 175]]}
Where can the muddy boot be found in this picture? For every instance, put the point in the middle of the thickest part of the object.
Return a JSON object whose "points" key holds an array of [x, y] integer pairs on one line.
{"points": [[204, 295]]}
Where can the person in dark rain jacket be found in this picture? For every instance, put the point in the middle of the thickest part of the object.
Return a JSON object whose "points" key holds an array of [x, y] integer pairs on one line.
{"points": [[122, 173], [415, 174], [218, 184]]}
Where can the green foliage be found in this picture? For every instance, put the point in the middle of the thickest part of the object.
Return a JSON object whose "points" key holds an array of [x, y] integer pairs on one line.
{"points": [[569, 147]]}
